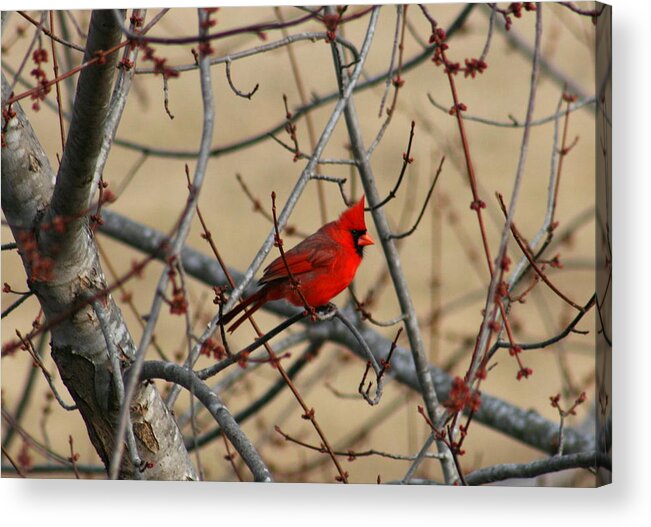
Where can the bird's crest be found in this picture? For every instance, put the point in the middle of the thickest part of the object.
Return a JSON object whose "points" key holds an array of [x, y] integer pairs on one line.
{"points": [[353, 218]]}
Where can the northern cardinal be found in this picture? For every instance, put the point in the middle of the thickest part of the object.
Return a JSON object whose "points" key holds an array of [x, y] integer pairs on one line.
{"points": [[324, 263]]}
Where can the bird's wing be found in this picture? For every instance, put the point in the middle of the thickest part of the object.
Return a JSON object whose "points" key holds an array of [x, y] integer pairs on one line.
{"points": [[305, 257]]}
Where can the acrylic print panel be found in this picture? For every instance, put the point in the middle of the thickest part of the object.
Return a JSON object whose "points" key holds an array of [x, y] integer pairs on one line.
{"points": [[163, 168]]}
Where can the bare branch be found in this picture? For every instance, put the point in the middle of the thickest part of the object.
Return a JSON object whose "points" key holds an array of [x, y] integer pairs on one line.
{"points": [[489, 34], [118, 102], [587, 460], [387, 83], [232, 57], [70, 45], [516, 124], [16, 304], [406, 160], [570, 328], [422, 210], [75, 178], [182, 376], [267, 397], [235, 90]]}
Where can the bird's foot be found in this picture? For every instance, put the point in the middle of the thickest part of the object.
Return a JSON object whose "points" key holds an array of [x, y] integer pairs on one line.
{"points": [[326, 311]]}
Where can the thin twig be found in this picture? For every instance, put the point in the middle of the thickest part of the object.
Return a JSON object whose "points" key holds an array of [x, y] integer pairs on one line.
{"points": [[387, 84], [422, 210], [266, 398], [245, 352], [155, 20], [70, 73], [32, 442], [397, 82], [50, 34], [166, 98], [55, 66], [513, 123], [353, 454], [379, 370], [592, 13], [520, 268], [491, 304], [570, 328], [80, 32], [28, 390], [232, 57], [547, 67], [29, 347], [526, 251], [207, 37], [290, 230], [309, 121], [73, 458], [16, 304], [235, 90], [406, 160], [489, 35], [40, 26]]}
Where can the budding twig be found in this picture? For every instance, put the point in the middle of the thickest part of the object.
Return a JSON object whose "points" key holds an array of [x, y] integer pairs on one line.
{"points": [[406, 160]]}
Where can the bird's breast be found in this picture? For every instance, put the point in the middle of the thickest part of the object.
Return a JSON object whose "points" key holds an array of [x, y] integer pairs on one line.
{"points": [[328, 281]]}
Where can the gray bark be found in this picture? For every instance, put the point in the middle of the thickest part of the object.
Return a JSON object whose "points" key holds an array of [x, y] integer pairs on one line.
{"points": [[31, 203]]}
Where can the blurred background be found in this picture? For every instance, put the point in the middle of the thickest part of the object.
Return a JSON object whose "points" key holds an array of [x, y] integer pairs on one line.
{"points": [[443, 260]]}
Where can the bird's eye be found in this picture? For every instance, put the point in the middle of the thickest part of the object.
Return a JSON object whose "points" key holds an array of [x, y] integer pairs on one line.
{"points": [[357, 234]]}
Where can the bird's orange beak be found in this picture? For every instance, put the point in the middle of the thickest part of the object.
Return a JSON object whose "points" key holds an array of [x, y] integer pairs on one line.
{"points": [[365, 239]]}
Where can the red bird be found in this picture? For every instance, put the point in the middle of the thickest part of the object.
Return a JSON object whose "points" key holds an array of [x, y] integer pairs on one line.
{"points": [[325, 263]]}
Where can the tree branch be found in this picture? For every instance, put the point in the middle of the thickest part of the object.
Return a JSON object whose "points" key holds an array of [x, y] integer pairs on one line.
{"points": [[588, 460], [74, 188], [177, 374]]}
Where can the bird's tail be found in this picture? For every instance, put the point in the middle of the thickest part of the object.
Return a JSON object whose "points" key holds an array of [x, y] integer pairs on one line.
{"points": [[255, 301]]}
